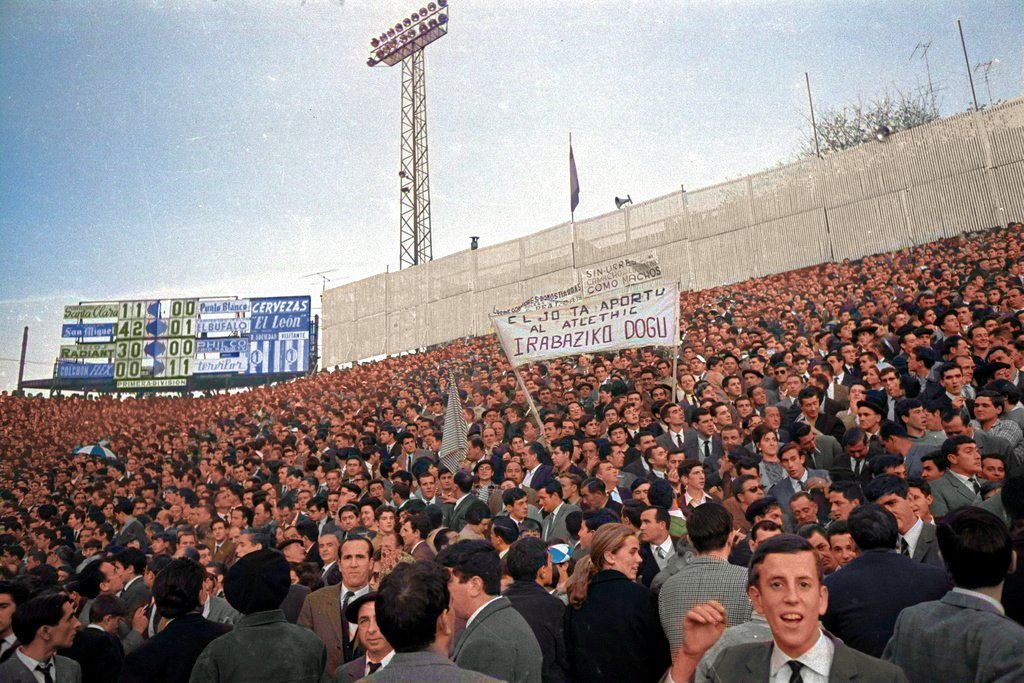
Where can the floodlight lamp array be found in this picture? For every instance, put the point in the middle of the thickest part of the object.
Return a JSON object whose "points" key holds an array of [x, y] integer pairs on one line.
{"points": [[412, 33]]}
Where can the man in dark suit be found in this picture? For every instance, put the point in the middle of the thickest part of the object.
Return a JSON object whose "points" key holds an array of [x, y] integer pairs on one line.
{"points": [[854, 458], [456, 512], [797, 642], [129, 529], [413, 602], [377, 652], [527, 560], [43, 625], [965, 636], [11, 595], [497, 641], [808, 410], [168, 657], [130, 563], [917, 539], [868, 594], [97, 649]]}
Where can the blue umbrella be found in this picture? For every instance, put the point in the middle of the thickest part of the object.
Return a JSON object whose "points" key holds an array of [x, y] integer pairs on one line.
{"points": [[96, 451]]}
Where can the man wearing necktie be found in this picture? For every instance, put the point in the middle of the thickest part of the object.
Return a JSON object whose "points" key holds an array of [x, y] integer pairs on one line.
{"points": [[785, 586], [362, 612], [46, 623], [958, 487]]}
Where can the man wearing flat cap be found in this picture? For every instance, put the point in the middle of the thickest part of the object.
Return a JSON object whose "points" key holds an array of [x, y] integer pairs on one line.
{"points": [[256, 586], [377, 650]]}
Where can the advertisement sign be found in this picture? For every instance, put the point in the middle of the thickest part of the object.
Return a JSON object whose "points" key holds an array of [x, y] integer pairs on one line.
{"points": [[66, 370], [87, 330]]}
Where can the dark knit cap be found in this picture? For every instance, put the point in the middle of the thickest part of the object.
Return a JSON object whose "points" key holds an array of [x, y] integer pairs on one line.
{"points": [[258, 582]]}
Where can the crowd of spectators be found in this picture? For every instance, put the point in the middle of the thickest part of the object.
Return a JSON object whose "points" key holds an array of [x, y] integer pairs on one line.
{"points": [[840, 446]]}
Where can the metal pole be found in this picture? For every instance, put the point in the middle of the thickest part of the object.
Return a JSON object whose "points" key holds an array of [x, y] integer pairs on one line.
{"points": [[814, 125], [21, 365], [529, 399], [970, 77]]}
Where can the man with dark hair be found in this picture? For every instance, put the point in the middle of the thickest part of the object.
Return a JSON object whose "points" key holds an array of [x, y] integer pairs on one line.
{"points": [[11, 595], [43, 625], [504, 532], [866, 596], [843, 497], [497, 641], [130, 563], [378, 653], [784, 584], [707, 576], [965, 635], [897, 442], [413, 614], [256, 586], [97, 648], [958, 486], [917, 539], [555, 511], [168, 656], [529, 565], [656, 547], [324, 610], [414, 536], [129, 529], [456, 512]]}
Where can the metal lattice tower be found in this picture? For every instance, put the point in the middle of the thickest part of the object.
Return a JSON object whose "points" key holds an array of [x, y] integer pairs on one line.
{"points": [[415, 244], [404, 42]]}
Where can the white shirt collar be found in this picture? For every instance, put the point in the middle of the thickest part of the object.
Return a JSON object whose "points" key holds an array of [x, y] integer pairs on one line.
{"points": [[355, 593], [480, 609], [817, 659], [981, 596], [383, 663], [964, 479], [689, 500], [913, 535], [31, 664], [665, 545]]}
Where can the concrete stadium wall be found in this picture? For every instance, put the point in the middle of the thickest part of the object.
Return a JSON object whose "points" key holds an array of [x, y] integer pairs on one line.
{"points": [[957, 175]]}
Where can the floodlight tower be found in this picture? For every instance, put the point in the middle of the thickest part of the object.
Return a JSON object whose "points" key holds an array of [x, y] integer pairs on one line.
{"points": [[404, 42]]}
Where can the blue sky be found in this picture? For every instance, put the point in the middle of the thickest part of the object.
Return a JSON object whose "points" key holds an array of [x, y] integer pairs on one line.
{"points": [[229, 147]]}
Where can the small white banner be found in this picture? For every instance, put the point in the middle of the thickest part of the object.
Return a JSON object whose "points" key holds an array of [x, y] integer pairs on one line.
{"points": [[619, 273], [644, 316]]}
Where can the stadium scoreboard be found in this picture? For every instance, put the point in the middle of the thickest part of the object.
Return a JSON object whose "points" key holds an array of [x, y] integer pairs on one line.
{"points": [[162, 343]]}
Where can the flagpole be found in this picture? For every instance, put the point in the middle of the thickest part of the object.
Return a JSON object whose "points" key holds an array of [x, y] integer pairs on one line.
{"points": [[572, 209], [529, 399], [572, 213]]}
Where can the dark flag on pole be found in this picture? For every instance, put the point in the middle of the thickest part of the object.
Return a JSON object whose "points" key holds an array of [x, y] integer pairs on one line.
{"points": [[454, 444], [574, 182]]}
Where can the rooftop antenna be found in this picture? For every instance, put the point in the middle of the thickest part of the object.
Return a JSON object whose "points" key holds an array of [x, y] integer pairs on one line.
{"points": [[923, 48]]}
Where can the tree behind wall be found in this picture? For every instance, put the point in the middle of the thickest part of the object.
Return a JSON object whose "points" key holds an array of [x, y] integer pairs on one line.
{"points": [[844, 127]]}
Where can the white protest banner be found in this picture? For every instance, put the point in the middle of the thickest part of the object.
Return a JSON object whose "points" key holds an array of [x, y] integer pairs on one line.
{"points": [[615, 274], [644, 316], [562, 297]]}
